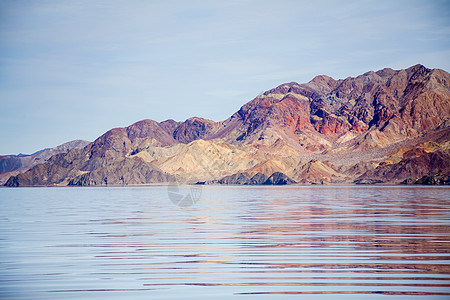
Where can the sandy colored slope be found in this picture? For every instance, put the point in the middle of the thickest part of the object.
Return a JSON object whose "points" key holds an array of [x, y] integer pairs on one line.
{"points": [[199, 159]]}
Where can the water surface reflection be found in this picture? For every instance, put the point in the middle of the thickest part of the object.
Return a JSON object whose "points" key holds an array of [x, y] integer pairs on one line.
{"points": [[246, 242]]}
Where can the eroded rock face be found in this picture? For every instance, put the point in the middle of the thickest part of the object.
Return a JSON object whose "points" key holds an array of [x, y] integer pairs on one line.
{"points": [[388, 100]]}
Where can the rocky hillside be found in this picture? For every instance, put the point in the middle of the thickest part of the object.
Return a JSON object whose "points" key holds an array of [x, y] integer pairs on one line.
{"points": [[386, 126], [11, 165]]}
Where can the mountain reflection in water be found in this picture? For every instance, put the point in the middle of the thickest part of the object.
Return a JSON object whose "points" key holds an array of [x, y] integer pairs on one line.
{"points": [[246, 242]]}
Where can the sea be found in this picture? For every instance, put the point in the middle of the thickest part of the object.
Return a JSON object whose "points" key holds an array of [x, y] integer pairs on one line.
{"points": [[225, 242]]}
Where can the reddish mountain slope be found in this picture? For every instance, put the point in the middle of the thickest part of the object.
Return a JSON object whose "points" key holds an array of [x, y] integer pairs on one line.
{"points": [[325, 130]]}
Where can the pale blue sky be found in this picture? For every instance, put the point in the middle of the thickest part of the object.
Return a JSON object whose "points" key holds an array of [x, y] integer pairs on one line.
{"points": [[75, 69]]}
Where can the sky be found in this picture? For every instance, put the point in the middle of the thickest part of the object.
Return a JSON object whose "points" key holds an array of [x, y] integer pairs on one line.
{"points": [[75, 69]]}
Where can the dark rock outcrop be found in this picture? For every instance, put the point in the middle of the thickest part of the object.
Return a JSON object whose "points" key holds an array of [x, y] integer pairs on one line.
{"points": [[408, 181], [367, 181], [433, 180], [279, 178], [276, 178], [428, 180], [257, 179], [123, 172], [239, 178], [412, 167]]}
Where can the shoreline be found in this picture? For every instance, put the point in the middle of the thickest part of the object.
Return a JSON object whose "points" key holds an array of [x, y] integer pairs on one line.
{"points": [[233, 185]]}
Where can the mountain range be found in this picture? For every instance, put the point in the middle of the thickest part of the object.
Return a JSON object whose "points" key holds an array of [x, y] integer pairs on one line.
{"points": [[389, 126], [11, 165]]}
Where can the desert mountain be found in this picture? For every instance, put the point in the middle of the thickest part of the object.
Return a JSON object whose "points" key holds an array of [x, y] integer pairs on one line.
{"points": [[389, 126], [15, 164]]}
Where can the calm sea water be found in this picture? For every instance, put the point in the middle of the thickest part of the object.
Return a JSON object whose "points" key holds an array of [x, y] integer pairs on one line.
{"points": [[233, 242]]}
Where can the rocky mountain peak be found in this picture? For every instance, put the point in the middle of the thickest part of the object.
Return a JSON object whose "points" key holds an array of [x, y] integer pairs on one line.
{"points": [[322, 83], [193, 129]]}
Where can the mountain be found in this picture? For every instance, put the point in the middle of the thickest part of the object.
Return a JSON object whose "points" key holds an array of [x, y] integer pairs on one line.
{"points": [[277, 178], [386, 126], [11, 165]]}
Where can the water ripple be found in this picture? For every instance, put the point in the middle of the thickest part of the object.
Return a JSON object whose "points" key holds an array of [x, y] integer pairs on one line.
{"points": [[115, 243]]}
